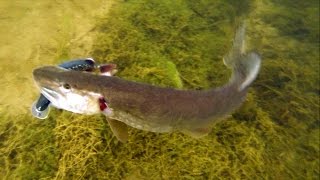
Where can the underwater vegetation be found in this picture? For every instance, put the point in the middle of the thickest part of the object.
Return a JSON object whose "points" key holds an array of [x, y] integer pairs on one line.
{"points": [[274, 135]]}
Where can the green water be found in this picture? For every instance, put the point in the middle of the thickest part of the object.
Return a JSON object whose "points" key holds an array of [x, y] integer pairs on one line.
{"points": [[274, 135]]}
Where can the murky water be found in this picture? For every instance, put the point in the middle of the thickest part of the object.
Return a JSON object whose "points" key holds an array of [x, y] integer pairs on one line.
{"points": [[274, 135]]}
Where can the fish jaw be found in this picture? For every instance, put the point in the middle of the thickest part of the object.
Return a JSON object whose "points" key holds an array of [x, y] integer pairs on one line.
{"points": [[82, 102]]}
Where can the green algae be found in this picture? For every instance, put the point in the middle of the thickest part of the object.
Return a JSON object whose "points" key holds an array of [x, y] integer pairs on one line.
{"points": [[157, 32], [27, 148], [274, 135]]}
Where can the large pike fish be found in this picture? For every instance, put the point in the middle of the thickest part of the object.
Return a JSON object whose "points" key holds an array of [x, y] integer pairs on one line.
{"points": [[148, 107]]}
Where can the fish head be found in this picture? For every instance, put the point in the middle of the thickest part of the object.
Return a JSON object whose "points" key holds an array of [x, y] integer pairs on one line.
{"points": [[62, 90]]}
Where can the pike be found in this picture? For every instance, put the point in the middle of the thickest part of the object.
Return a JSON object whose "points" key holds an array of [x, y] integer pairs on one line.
{"points": [[148, 107]]}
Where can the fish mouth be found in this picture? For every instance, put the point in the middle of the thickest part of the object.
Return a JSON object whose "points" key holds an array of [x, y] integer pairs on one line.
{"points": [[50, 94]]}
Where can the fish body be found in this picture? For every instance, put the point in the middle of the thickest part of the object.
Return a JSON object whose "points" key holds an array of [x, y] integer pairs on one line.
{"points": [[148, 107]]}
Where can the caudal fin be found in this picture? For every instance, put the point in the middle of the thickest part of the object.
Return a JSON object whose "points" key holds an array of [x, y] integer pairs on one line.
{"points": [[245, 66], [238, 47], [249, 67]]}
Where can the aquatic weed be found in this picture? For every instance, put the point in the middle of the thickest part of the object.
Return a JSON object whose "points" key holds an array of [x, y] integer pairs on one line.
{"points": [[274, 135]]}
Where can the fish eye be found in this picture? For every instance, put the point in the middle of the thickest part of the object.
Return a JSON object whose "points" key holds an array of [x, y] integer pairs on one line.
{"points": [[66, 86]]}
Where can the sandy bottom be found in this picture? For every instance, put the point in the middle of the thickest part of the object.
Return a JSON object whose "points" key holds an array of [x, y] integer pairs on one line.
{"points": [[40, 33]]}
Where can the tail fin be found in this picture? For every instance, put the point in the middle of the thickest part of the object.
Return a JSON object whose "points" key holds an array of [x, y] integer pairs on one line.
{"points": [[245, 66], [249, 67], [238, 47]]}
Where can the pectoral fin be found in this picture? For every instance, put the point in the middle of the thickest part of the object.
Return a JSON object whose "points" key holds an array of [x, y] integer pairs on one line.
{"points": [[197, 132], [119, 129]]}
